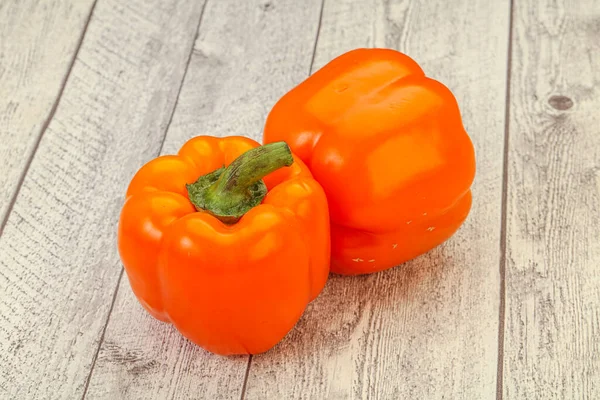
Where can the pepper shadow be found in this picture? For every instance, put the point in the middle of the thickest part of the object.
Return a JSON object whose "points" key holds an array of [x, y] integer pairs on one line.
{"points": [[348, 305]]}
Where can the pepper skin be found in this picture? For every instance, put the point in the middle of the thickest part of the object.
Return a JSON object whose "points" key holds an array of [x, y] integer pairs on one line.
{"points": [[388, 146], [230, 288]]}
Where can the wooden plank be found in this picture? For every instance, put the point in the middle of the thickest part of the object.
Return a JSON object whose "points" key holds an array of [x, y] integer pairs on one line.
{"points": [[246, 56], [552, 339], [428, 329], [38, 46], [58, 260]]}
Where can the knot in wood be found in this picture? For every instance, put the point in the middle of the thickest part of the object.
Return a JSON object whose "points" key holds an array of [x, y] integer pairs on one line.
{"points": [[560, 102]]}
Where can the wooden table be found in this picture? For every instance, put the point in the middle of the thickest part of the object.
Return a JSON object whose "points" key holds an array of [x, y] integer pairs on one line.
{"points": [[509, 308]]}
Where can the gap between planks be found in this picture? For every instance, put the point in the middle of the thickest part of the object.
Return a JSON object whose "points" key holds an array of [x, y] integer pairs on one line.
{"points": [[46, 123], [116, 291], [310, 71], [503, 212]]}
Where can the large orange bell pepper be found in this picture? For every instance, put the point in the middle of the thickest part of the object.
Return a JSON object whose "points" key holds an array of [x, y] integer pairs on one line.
{"points": [[230, 259], [388, 146]]}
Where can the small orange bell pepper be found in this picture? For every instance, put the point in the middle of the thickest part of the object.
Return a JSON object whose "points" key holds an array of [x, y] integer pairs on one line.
{"points": [[231, 259], [389, 148]]}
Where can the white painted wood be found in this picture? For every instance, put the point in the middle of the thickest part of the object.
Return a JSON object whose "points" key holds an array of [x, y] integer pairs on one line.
{"points": [[58, 260], [142, 358], [248, 54], [552, 339], [38, 41], [427, 329]]}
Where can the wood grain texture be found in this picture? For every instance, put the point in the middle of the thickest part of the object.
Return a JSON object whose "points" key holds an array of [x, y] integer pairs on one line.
{"points": [[247, 55], [38, 43], [427, 329], [58, 260], [552, 339]]}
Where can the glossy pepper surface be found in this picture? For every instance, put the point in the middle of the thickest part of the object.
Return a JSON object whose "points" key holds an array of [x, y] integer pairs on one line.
{"points": [[233, 282], [388, 146]]}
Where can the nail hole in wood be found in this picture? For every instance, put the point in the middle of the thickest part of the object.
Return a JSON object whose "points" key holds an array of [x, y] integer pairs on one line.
{"points": [[560, 102]]}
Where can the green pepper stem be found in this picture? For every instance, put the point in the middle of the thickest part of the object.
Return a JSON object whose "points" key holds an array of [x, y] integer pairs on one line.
{"points": [[229, 193], [251, 167]]}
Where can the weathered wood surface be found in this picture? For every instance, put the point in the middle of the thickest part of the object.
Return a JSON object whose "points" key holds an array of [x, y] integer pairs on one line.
{"points": [[552, 339], [58, 261], [38, 43], [466, 321], [427, 329], [247, 55]]}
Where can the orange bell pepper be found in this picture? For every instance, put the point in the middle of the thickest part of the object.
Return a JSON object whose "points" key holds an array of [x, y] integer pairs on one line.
{"points": [[232, 260], [389, 148]]}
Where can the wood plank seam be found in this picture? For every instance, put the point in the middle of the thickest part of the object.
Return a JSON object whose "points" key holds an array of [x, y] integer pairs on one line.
{"points": [[187, 66], [425, 330], [503, 212], [312, 60], [246, 56], [245, 384], [310, 70], [46, 123], [95, 358], [116, 291]]}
